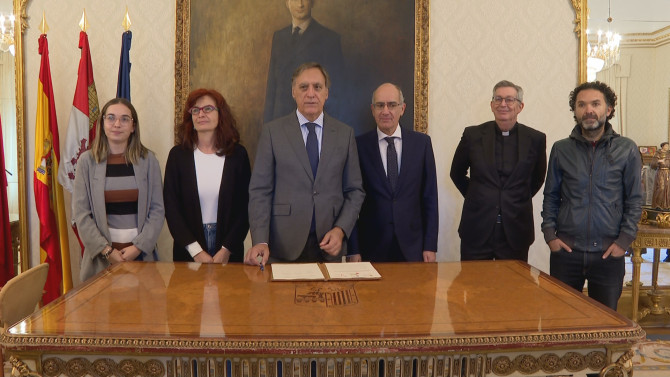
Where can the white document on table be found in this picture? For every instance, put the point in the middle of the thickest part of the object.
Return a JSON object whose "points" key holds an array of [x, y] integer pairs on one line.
{"points": [[352, 271], [296, 271]]}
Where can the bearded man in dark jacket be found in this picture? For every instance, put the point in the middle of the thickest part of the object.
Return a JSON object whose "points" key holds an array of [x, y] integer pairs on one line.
{"points": [[592, 198]]}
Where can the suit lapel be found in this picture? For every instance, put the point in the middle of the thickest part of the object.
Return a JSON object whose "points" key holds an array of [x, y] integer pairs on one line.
{"points": [[328, 145], [489, 148], [308, 39], [525, 143], [295, 140], [408, 150], [375, 156]]}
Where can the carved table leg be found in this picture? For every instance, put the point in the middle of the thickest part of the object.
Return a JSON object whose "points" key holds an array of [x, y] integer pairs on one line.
{"points": [[655, 295], [622, 367], [637, 261]]}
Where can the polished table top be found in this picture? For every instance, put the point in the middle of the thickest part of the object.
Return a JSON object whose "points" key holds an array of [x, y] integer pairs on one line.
{"points": [[465, 305]]}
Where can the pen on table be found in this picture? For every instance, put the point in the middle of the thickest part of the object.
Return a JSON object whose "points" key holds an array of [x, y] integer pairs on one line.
{"points": [[262, 266]]}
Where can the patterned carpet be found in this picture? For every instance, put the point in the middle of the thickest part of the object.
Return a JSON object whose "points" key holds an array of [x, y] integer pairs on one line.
{"points": [[652, 358]]}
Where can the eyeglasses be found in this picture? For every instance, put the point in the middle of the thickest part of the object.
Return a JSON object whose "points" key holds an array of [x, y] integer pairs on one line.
{"points": [[391, 105], [510, 100], [124, 119], [205, 109]]}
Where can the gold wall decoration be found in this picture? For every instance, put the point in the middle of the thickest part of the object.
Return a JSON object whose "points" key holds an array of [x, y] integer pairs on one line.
{"points": [[20, 27], [581, 15]]}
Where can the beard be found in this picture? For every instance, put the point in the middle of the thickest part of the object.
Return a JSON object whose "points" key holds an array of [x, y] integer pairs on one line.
{"points": [[591, 123]]}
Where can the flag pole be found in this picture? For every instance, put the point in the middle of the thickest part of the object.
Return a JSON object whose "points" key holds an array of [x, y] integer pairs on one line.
{"points": [[123, 83]]}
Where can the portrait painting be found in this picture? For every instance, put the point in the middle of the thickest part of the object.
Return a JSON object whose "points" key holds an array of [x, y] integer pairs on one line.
{"points": [[248, 50]]}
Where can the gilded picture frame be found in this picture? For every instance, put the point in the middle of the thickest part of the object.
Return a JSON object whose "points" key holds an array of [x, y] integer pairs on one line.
{"points": [[207, 43]]}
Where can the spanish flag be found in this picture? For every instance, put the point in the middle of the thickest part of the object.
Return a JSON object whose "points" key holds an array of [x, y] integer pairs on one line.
{"points": [[54, 245]]}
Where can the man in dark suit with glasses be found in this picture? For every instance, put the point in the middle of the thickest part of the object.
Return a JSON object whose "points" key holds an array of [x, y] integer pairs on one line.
{"points": [[506, 162], [399, 217]]}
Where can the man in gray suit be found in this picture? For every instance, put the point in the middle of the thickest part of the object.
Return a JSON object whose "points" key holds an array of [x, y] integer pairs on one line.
{"points": [[306, 188]]}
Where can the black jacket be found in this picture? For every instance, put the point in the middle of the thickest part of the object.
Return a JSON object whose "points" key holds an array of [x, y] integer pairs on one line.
{"points": [[182, 204], [593, 194], [485, 195]]}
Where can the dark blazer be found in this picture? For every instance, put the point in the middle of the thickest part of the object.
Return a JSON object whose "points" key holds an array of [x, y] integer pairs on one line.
{"points": [[411, 214], [484, 193], [283, 192], [316, 44], [182, 204]]}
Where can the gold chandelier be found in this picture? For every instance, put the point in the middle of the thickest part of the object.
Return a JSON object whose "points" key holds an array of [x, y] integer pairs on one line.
{"points": [[7, 36], [603, 52]]}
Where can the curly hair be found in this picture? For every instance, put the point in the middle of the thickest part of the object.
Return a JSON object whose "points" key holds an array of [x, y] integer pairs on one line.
{"points": [[226, 134], [608, 93]]}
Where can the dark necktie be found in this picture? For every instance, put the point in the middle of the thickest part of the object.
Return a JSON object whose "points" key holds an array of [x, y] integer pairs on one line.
{"points": [[312, 146], [295, 35], [391, 163]]}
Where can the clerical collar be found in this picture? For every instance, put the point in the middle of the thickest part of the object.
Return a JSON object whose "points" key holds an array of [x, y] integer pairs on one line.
{"points": [[512, 131]]}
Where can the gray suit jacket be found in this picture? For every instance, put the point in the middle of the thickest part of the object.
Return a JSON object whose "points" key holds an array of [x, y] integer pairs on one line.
{"points": [[283, 192], [91, 217]]}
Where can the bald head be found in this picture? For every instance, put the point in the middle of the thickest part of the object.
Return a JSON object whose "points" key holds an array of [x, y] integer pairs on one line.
{"points": [[388, 105]]}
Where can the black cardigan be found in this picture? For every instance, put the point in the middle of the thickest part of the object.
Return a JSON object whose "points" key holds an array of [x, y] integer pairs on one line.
{"points": [[182, 204]]}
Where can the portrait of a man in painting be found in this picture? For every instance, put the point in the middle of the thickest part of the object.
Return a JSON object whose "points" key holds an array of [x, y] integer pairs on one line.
{"points": [[303, 40], [247, 50]]}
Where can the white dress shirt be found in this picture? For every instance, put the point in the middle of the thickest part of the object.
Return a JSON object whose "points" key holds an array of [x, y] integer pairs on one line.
{"points": [[318, 129]]}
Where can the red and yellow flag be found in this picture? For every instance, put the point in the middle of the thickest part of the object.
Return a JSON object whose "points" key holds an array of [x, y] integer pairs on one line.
{"points": [[83, 119], [54, 245]]}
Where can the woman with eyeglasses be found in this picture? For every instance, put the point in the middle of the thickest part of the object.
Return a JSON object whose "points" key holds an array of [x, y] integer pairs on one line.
{"points": [[118, 197], [207, 183]]}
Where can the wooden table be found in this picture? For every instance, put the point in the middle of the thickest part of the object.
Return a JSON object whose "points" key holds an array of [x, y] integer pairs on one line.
{"points": [[421, 319], [648, 236]]}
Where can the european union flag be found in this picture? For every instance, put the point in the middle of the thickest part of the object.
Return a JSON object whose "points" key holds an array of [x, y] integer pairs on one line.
{"points": [[123, 86]]}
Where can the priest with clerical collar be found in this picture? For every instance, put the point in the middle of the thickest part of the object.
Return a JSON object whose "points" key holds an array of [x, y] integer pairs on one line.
{"points": [[498, 167]]}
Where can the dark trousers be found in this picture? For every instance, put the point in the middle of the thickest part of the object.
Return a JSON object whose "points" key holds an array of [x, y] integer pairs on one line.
{"points": [[310, 253], [604, 276], [392, 254], [496, 247]]}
